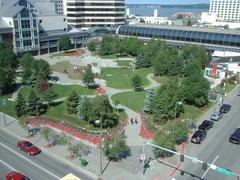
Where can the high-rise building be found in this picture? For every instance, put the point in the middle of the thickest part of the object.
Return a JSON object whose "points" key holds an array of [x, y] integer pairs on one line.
{"points": [[59, 6], [97, 13], [227, 10]]}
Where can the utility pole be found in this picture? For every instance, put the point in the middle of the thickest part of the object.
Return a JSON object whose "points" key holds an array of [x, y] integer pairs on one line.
{"points": [[175, 117], [3, 105]]}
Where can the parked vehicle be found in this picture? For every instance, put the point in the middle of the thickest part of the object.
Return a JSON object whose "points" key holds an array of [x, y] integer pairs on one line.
{"points": [[198, 137], [235, 137], [216, 116], [206, 125], [16, 176], [225, 108], [28, 147]]}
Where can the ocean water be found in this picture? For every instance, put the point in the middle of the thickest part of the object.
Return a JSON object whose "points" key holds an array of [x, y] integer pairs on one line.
{"points": [[164, 11]]}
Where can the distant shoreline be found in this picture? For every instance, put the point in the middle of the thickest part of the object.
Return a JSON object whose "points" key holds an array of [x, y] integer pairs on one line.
{"points": [[186, 6]]}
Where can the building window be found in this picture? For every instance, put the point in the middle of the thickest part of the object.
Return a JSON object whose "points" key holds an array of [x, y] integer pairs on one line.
{"points": [[26, 34], [24, 13], [25, 23], [17, 43], [40, 21], [27, 43], [17, 34], [34, 23]]}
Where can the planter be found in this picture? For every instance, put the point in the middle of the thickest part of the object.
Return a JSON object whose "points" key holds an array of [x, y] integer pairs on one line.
{"points": [[83, 162]]}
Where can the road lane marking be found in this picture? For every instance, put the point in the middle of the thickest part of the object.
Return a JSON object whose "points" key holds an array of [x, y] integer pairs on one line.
{"points": [[10, 167], [30, 161]]}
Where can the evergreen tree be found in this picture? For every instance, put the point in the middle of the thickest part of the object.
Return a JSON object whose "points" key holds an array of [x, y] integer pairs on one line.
{"points": [[35, 106], [148, 101], [136, 82], [49, 95], [72, 103], [84, 108], [8, 66], [88, 76], [20, 106]]}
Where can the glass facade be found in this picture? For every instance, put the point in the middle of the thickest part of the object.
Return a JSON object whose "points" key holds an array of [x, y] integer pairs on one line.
{"points": [[25, 30], [210, 39]]}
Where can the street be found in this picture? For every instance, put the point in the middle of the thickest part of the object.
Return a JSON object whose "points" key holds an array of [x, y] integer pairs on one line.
{"points": [[216, 144], [41, 166]]}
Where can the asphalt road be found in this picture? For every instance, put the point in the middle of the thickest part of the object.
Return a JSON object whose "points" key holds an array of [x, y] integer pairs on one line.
{"points": [[39, 167], [216, 145]]}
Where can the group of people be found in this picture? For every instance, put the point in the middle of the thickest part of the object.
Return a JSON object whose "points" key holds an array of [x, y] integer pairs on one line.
{"points": [[135, 121]]}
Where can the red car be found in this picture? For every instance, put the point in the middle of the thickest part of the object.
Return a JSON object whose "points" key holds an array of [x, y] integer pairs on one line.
{"points": [[16, 176], [28, 147]]}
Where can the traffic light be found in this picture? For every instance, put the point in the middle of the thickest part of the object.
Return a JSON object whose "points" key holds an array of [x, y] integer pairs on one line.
{"points": [[204, 166], [181, 157]]}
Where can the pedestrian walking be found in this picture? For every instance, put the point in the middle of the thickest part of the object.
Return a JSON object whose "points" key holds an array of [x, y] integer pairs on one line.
{"points": [[132, 121], [136, 121]]}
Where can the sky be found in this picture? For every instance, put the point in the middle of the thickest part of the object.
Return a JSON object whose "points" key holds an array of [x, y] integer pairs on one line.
{"points": [[165, 1]]}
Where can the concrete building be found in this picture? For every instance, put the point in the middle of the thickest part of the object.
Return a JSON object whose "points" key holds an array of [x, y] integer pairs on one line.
{"points": [[33, 26], [97, 13], [226, 10], [58, 6]]}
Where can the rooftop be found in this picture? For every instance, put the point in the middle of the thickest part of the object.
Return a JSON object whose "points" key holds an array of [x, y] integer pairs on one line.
{"points": [[188, 28]]}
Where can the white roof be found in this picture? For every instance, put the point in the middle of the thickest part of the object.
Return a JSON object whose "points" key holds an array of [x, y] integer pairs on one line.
{"points": [[70, 176]]}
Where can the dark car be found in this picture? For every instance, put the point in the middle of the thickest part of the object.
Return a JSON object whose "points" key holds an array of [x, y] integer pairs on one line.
{"points": [[206, 125], [235, 137], [225, 108], [198, 137], [16, 176], [28, 147], [216, 116]]}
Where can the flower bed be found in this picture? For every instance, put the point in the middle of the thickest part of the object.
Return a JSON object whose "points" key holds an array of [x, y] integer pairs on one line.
{"points": [[144, 132], [78, 52], [82, 133], [89, 138]]}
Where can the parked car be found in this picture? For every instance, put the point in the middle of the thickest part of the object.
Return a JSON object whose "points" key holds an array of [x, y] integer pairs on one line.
{"points": [[235, 137], [206, 125], [216, 116], [16, 176], [198, 137], [28, 147], [225, 108]]}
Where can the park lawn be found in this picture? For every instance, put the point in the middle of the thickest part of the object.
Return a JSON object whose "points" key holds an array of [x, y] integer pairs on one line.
{"points": [[161, 79], [111, 56], [193, 112], [62, 53], [61, 66], [61, 90], [132, 100], [120, 78], [124, 63]]}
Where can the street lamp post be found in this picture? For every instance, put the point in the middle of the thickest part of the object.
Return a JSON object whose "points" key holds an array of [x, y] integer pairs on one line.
{"points": [[101, 135], [3, 104], [175, 117]]}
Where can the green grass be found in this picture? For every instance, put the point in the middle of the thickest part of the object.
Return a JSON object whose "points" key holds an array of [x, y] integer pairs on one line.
{"points": [[120, 78], [132, 100], [61, 90], [109, 56], [57, 54], [124, 63], [161, 79], [193, 112], [9, 109], [59, 113], [60, 66]]}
